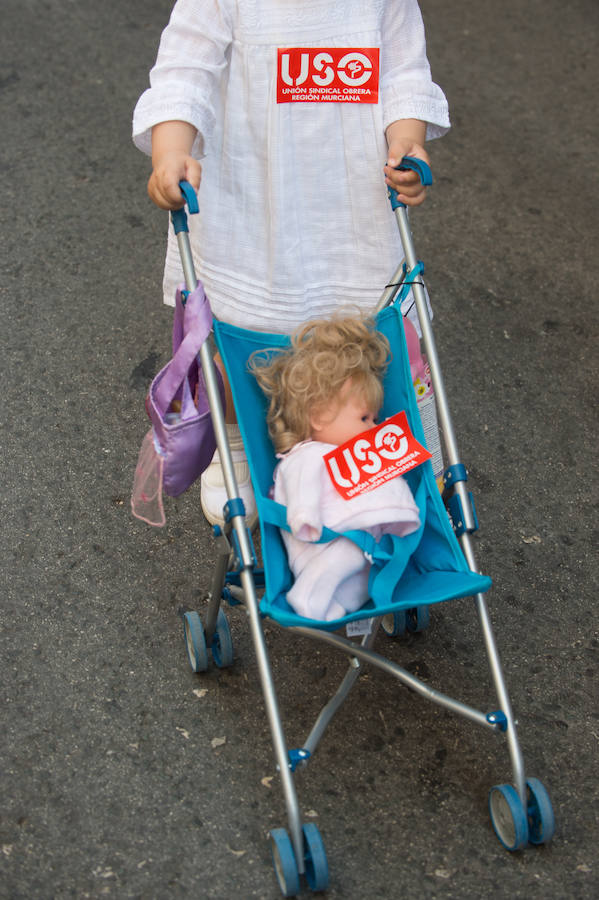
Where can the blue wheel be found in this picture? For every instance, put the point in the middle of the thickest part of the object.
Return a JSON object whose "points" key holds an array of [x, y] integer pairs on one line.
{"points": [[508, 816], [195, 642], [222, 645], [315, 858], [541, 821], [284, 862], [395, 624], [418, 619]]}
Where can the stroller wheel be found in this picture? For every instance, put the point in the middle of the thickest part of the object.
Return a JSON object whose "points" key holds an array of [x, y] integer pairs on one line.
{"points": [[284, 862], [396, 623], [418, 619], [195, 642], [222, 645], [541, 821], [508, 817], [317, 869]]}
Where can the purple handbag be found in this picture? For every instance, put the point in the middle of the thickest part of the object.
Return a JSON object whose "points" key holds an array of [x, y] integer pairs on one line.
{"points": [[181, 443]]}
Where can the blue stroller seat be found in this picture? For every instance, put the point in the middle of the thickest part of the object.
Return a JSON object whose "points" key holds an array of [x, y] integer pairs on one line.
{"points": [[423, 568]]}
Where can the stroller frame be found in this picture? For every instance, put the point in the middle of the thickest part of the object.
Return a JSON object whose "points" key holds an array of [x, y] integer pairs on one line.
{"points": [[521, 813]]}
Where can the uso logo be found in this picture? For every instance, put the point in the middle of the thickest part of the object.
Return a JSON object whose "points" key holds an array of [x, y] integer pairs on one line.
{"points": [[374, 457], [331, 74]]}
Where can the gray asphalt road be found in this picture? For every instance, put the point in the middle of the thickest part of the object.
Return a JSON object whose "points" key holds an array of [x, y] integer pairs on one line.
{"points": [[110, 783]]}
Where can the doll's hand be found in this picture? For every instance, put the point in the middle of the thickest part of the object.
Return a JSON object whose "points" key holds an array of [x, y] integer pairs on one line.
{"points": [[306, 533], [170, 168], [304, 523]]}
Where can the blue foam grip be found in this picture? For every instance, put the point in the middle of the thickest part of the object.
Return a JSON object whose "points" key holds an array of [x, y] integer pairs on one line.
{"points": [[191, 198], [179, 216], [179, 220], [415, 165]]}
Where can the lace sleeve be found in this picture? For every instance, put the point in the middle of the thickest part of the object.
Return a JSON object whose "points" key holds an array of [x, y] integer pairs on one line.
{"points": [[407, 88], [184, 82]]}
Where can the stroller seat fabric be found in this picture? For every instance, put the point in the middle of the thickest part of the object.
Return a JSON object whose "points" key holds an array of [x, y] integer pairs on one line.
{"points": [[424, 567]]}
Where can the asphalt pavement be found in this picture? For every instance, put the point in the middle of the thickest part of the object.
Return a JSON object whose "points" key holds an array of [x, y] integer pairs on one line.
{"points": [[124, 774]]}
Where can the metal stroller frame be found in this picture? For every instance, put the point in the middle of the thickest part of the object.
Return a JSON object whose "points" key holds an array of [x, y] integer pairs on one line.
{"points": [[520, 812]]}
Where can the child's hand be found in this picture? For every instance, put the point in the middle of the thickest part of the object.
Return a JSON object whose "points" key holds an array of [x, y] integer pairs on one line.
{"points": [[169, 169], [172, 162], [405, 138], [410, 189]]}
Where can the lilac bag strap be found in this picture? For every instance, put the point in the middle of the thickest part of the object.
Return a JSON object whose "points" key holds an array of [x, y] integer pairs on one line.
{"points": [[179, 317], [197, 324]]}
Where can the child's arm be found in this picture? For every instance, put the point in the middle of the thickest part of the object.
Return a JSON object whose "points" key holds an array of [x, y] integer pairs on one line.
{"points": [[406, 138], [172, 163]]}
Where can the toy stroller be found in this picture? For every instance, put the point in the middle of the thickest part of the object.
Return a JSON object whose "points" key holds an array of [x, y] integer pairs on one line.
{"points": [[440, 567]]}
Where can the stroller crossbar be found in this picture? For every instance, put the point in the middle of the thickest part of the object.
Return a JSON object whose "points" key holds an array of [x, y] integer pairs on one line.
{"points": [[365, 654]]}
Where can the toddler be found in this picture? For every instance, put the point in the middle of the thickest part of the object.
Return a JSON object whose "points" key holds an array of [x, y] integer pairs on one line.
{"points": [[293, 109]]}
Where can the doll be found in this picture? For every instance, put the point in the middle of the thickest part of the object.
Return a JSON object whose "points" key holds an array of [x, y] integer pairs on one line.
{"points": [[326, 389]]}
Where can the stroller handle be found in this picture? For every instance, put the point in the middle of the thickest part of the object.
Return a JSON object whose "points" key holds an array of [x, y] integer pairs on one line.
{"points": [[421, 168], [178, 216]]}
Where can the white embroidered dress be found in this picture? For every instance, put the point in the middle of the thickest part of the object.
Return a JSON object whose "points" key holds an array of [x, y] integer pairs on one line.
{"points": [[294, 217]]}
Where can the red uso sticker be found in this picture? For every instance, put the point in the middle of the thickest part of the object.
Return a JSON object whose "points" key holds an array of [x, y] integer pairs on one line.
{"points": [[328, 74], [374, 457]]}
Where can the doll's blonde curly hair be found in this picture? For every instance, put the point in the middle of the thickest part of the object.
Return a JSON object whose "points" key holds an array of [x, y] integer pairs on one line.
{"points": [[323, 355]]}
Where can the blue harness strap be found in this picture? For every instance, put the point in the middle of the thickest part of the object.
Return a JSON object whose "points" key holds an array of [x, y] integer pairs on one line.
{"points": [[388, 557]]}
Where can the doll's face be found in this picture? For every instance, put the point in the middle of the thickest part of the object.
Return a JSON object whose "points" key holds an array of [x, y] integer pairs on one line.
{"points": [[343, 419]]}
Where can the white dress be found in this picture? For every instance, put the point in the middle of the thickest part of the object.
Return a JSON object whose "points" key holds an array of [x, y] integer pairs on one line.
{"points": [[331, 579], [294, 217]]}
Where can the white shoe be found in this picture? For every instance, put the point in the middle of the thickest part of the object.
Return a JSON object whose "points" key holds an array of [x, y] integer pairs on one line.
{"points": [[213, 494]]}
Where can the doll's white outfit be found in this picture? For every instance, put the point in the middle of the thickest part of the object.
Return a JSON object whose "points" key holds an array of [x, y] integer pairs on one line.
{"points": [[294, 217], [331, 579]]}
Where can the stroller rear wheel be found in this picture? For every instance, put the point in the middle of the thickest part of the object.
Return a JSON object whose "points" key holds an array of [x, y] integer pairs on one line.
{"points": [[395, 624], [222, 644], [402, 621], [195, 641], [418, 619]]}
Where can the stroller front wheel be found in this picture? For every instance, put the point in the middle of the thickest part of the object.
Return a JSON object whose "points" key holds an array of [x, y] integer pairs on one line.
{"points": [[317, 869], [284, 862], [541, 821], [508, 816]]}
